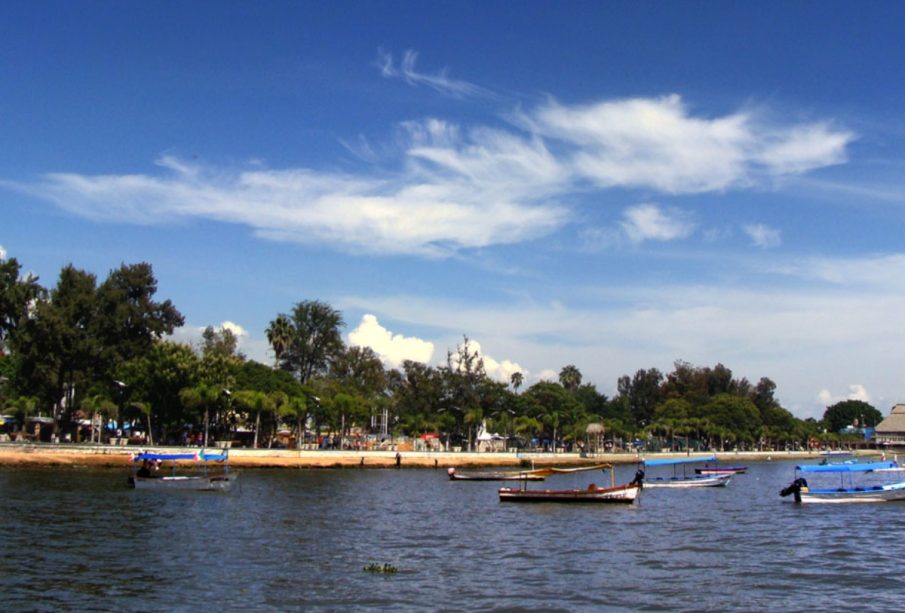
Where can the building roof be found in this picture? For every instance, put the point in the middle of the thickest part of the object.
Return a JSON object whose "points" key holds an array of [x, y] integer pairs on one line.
{"points": [[895, 422]]}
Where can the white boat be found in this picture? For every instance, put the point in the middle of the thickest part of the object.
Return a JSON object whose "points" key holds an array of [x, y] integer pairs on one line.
{"points": [[684, 480], [150, 474], [857, 482]]}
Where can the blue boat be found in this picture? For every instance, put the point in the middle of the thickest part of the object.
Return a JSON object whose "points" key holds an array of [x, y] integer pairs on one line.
{"points": [[210, 471], [684, 480], [847, 482]]}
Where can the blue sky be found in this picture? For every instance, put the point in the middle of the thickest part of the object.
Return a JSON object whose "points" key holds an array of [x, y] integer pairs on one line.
{"points": [[613, 185]]}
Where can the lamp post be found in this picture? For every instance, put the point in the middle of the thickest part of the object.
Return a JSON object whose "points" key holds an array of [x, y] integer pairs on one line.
{"points": [[122, 394]]}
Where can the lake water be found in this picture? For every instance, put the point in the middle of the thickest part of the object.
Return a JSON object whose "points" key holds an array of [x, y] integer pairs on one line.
{"points": [[80, 540]]}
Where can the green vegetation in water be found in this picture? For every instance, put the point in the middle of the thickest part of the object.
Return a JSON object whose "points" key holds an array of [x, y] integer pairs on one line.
{"points": [[385, 569]]}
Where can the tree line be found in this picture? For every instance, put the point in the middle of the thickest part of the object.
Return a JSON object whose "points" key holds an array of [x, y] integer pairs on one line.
{"points": [[85, 349]]}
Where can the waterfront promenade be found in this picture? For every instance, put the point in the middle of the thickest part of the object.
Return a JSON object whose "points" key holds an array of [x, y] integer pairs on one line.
{"points": [[108, 455]]}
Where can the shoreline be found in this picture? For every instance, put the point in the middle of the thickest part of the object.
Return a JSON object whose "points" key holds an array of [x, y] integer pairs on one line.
{"points": [[82, 455]]}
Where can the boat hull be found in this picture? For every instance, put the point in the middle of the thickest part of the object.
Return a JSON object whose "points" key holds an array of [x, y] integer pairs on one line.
{"points": [[879, 493], [622, 494], [219, 483], [719, 480], [710, 470], [494, 477]]}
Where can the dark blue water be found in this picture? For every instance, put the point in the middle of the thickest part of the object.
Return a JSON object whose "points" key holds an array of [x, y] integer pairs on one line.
{"points": [[79, 540]]}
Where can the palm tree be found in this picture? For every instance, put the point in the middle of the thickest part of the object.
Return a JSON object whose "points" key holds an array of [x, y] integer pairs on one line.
{"points": [[252, 400], [201, 397], [297, 407], [570, 377], [98, 405], [279, 335], [145, 409], [516, 380]]}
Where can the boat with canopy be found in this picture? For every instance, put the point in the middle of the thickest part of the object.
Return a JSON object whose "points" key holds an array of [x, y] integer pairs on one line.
{"points": [[625, 494], [210, 471], [681, 479], [847, 482]]}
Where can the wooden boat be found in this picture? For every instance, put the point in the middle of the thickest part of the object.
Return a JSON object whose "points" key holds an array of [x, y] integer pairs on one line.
{"points": [[625, 494], [684, 480], [150, 475], [538, 474], [716, 470], [530, 475], [858, 482]]}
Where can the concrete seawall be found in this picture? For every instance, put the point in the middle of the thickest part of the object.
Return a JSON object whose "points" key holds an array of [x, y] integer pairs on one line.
{"points": [[105, 455]]}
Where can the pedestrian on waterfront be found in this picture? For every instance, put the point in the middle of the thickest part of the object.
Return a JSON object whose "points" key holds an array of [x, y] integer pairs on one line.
{"points": [[398, 459]]}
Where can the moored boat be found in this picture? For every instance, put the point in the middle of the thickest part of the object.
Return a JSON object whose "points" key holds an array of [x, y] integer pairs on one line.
{"points": [[684, 480], [529, 475], [857, 482], [205, 476], [716, 470], [626, 493]]}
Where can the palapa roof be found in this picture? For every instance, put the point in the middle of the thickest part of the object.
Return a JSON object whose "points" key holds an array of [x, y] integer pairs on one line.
{"points": [[895, 422]]}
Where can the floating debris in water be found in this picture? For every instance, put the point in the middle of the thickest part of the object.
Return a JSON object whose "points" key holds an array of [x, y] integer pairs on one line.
{"points": [[386, 569]]}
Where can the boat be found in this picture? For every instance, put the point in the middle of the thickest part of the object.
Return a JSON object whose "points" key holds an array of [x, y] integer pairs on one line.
{"points": [[151, 476], [625, 494], [716, 470], [858, 482], [537, 474], [529, 475], [684, 480]]}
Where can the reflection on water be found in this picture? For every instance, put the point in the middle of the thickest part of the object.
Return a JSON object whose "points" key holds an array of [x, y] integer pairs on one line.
{"points": [[79, 540]]}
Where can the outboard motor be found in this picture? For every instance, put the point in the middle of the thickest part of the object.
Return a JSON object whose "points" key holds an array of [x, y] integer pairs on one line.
{"points": [[795, 488], [639, 478]]}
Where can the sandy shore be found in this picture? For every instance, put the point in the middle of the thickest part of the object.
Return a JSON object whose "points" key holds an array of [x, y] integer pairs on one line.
{"points": [[102, 455]]}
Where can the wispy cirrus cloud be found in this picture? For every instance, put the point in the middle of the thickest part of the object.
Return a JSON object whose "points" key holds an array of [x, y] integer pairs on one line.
{"points": [[656, 143], [440, 81], [460, 187]]}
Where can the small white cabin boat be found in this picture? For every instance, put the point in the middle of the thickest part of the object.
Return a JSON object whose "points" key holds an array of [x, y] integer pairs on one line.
{"points": [[847, 482], [682, 479], [210, 471]]}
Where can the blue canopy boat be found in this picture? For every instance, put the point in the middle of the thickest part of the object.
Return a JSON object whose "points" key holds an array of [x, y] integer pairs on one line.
{"points": [[857, 482], [684, 480], [147, 473]]}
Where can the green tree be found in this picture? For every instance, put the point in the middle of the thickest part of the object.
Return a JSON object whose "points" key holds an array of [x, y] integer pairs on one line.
{"points": [[296, 408], [849, 412], [570, 377], [17, 293], [314, 340], [516, 380]]}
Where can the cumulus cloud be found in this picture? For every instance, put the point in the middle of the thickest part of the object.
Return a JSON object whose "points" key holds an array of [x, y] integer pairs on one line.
{"points": [[237, 330], [763, 236], [393, 349], [2, 253], [500, 371], [856, 392], [650, 222]]}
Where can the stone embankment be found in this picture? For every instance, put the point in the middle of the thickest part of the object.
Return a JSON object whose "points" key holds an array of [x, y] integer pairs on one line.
{"points": [[105, 455]]}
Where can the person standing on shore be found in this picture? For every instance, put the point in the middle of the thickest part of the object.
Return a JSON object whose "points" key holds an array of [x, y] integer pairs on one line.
{"points": [[398, 459]]}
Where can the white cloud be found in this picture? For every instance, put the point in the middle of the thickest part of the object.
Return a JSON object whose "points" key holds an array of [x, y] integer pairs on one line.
{"points": [[496, 370], [468, 188], [237, 330], [650, 222], [856, 392], [2, 253], [440, 82], [656, 143], [393, 349], [763, 236]]}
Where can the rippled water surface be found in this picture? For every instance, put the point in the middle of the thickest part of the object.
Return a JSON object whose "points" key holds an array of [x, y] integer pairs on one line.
{"points": [[79, 540]]}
